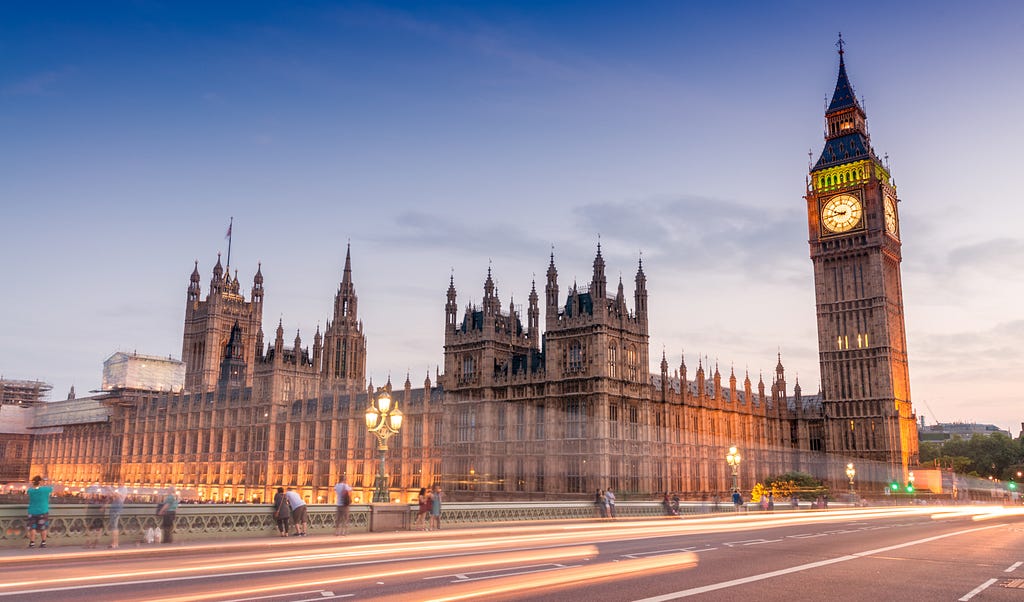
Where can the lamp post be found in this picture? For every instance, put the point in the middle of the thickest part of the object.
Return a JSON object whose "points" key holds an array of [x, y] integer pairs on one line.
{"points": [[850, 473], [733, 459], [383, 419]]}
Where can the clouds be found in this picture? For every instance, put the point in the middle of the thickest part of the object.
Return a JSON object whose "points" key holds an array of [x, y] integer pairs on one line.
{"points": [[706, 235]]}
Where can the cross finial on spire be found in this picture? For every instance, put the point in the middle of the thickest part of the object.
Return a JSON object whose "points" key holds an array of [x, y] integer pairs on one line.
{"points": [[840, 43]]}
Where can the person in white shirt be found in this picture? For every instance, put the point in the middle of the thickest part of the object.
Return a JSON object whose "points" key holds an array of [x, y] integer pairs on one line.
{"points": [[298, 512], [343, 494], [609, 497]]}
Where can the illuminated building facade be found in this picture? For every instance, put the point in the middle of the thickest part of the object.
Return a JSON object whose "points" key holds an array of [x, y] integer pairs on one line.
{"points": [[854, 236], [521, 413]]}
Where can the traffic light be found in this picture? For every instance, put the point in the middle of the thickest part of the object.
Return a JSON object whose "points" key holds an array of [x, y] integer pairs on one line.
{"points": [[894, 486], [1011, 486], [910, 488]]}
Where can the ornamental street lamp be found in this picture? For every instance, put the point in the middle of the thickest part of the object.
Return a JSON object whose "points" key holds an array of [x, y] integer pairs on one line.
{"points": [[382, 419], [850, 473], [733, 459]]}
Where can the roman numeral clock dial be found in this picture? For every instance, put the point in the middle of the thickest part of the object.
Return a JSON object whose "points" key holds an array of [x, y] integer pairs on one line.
{"points": [[841, 213]]}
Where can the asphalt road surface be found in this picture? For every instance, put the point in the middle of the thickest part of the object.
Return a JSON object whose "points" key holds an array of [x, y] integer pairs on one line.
{"points": [[904, 554]]}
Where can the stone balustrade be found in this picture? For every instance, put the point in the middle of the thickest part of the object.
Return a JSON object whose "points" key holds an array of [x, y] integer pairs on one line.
{"points": [[194, 522]]}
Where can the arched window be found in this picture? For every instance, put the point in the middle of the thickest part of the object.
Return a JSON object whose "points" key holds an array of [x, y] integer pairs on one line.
{"points": [[611, 360]]}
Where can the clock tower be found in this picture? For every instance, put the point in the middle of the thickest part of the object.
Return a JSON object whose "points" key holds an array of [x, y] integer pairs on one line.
{"points": [[854, 236]]}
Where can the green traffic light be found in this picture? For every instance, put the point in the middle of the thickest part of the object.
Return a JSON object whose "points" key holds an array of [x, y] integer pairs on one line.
{"points": [[910, 488], [895, 486], [1012, 486]]}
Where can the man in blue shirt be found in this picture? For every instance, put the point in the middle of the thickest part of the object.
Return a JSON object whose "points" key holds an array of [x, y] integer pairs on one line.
{"points": [[38, 511]]}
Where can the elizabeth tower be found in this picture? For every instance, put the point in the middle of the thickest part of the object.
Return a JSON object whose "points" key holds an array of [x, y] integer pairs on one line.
{"points": [[854, 228]]}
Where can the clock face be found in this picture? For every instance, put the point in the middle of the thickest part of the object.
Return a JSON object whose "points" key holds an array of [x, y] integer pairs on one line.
{"points": [[890, 216], [841, 213]]}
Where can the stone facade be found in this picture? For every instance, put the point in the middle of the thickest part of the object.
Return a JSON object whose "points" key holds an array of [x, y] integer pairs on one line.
{"points": [[855, 246], [521, 413]]}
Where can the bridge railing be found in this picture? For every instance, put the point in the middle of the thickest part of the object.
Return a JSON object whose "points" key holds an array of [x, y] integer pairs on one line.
{"points": [[69, 522]]}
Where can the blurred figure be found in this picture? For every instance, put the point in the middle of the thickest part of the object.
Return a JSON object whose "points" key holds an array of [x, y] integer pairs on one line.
{"points": [[609, 498], [95, 508], [435, 507], [116, 507], [168, 510], [423, 509], [343, 493]]}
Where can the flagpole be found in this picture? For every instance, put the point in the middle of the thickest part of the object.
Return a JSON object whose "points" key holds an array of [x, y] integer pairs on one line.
{"points": [[230, 225]]}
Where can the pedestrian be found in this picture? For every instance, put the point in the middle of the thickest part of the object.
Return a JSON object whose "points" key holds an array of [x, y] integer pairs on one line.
{"points": [[795, 502], [764, 502], [435, 507], [282, 513], [95, 508], [298, 508], [117, 496], [771, 502], [609, 497], [675, 503], [599, 504], [38, 511], [737, 500], [343, 495], [167, 510], [666, 504], [704, 503], [422, 509]]}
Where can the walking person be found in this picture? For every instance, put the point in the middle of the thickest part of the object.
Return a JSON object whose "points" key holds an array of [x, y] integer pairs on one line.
{"points": [[737, 500], [168, 509], [299, 516], [422, 510], [343, 495], [282, 513], [599, 504], [38, 511], [609, 497], [116, 507], [95, 508], [435, 507]]}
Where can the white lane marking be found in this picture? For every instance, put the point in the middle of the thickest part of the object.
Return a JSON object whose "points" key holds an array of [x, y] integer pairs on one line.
{"points": [[325, 596], [467, 577], [1013, 567], [749, 542], [556, 567], [312, 591], [977, 590], [806, 535], [803, 567], [662, 552]]}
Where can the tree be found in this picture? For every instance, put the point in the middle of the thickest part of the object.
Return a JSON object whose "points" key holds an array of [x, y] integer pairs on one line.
{"points": [[805, 486]]}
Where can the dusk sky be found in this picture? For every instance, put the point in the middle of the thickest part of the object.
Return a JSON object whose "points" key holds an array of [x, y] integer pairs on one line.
{"points": [[444, 138]]}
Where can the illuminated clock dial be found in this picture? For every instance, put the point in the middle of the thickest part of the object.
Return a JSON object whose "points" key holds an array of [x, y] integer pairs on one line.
{"points": [[890, 216], [841, 213]]}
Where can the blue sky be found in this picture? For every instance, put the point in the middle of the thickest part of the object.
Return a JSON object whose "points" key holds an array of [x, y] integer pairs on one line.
{"points": [[440, 137]]}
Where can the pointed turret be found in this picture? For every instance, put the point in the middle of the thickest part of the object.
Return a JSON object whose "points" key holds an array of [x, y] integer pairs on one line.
{"points": [[451, 309], [257, 285], [533, 317], [318, 343], [551, 294], [846, 131], [598, 283], [194, 287], [279, 341], [640, 293]]}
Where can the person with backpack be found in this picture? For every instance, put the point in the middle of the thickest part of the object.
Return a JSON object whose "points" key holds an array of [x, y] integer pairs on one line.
{"points": [[282, 512], [343, 493]]}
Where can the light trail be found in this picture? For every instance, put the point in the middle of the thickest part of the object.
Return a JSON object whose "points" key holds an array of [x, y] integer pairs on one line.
{"points": [[491, 560]]}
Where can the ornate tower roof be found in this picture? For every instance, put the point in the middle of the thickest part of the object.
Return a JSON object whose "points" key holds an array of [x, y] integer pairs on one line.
{"points": [[846, 134]]}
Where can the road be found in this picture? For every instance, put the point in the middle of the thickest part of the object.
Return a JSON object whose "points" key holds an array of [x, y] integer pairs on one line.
{"points": [[861, 554]]}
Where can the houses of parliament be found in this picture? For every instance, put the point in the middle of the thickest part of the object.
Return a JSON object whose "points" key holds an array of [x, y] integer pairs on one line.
{"points": [[525, 409]]}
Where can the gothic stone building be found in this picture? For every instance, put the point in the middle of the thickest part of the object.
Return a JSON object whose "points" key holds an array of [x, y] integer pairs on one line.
{"points": [[521, 413]]}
